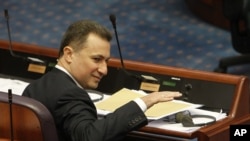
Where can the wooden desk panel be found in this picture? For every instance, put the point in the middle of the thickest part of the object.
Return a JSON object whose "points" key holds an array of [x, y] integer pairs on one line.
{"points": [[30, 49]]}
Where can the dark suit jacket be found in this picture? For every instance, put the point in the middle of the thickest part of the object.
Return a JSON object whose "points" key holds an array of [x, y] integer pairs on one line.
{"points": [[75, 114]]}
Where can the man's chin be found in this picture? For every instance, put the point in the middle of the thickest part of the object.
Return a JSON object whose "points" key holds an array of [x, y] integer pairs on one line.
{"points": [[93, 86]]}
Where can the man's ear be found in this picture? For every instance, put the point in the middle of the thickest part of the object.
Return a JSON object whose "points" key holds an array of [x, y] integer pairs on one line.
{"points": [[68, 52]]}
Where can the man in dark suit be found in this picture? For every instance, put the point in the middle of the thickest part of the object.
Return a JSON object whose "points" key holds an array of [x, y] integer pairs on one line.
{"points": [[82, 62]]}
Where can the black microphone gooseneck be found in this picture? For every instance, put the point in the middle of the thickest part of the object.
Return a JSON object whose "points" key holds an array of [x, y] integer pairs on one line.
{"points": [[10, 109], [9, 36], [113, 21], [29, 59]]}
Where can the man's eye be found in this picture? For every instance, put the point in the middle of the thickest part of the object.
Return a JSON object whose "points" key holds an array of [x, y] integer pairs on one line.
{"points": [[97, 59]]}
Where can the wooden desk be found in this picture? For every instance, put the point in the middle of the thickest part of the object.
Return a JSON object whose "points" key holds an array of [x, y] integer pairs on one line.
{"points": [[224, 90], [216, 132]]}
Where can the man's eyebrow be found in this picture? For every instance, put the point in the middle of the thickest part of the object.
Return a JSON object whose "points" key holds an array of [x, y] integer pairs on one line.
{"points": [[101, 56]]}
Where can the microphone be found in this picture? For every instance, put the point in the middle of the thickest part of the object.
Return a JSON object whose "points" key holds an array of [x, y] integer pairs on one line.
{"points": [[9, 36], [10, 109], [30, 59], [113, 21], [144, 82]]}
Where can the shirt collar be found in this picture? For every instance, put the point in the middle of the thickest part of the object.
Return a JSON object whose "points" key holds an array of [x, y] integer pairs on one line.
{"points": [[64, 70]]}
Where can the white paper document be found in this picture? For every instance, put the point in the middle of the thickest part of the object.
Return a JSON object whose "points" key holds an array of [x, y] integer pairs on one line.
{"points": [[17, 86]]}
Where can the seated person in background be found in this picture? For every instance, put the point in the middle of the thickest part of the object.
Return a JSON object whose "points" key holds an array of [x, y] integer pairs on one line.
{"points": [[82, 62]]}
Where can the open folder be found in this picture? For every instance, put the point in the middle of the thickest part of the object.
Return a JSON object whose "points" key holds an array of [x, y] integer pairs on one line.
{"points": [[157, 111]]}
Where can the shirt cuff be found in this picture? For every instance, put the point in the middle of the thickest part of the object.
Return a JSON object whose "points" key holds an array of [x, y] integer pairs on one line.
{"points": [[141, 104]]}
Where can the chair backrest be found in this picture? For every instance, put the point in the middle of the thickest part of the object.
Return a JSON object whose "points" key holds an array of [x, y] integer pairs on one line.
{"points": [[238, 13], [31, 120]]}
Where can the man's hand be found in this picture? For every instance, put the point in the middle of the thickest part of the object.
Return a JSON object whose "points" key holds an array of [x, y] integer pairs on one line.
{"points": [[157, 97]]}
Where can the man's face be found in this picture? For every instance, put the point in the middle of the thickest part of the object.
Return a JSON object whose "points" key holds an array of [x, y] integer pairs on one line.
{"points": [[89, 65]]}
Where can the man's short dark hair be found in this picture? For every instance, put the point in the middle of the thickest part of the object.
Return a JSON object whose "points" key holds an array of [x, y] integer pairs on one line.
{"points": [[77, 33]]}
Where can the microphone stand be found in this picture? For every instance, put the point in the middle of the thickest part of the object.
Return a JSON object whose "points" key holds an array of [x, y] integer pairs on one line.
{"points": [[9, 36], [28, 59], [113, 21], [11, 120]]}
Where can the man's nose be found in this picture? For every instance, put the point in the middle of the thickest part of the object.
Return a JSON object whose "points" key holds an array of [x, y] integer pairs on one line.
{"points": [[103, 68]]}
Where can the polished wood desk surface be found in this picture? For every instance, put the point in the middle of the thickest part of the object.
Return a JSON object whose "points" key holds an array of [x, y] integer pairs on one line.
{"points": [[239, 108]]}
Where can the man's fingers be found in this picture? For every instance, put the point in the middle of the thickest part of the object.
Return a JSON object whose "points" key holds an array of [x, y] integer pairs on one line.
{"points": [[171, 94]]}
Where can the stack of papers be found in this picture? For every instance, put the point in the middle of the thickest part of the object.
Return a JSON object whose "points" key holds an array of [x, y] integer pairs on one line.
{"points": [[157, 111], [17, 86]]}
